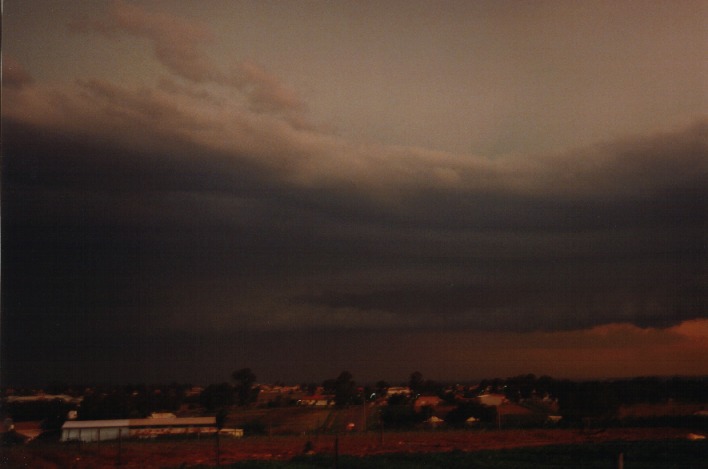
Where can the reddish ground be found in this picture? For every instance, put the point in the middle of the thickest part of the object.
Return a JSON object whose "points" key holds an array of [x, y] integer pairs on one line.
{"points": [[28, 429], [161, 454], [659, 410]]}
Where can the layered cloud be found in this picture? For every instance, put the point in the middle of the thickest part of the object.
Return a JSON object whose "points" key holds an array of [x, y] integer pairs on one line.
{"points": [[208, 201], [178, 44], [614, 231], [14, 74]]}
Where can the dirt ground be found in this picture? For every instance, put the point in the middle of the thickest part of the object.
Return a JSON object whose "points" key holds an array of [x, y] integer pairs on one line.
{"points": [[173, 453]]}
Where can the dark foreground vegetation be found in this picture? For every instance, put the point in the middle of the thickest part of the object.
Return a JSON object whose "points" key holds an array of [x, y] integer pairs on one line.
{"points": [[640, 448], [579, 403], [638, 454]]}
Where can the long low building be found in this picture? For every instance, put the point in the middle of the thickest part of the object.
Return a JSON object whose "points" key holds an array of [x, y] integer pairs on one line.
{"points": [[103, 430]]}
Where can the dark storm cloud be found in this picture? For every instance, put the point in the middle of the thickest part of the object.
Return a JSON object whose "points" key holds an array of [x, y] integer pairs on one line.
{"points": [[173, 199], [228, 239], [146, 211]]}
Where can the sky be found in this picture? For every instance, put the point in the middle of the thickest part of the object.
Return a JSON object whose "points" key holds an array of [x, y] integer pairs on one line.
{"points": [[469, 189]]}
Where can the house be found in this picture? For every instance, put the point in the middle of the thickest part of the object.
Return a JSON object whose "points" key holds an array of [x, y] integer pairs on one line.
{"points": [[279, 395], [472, 422], [426, 401], [231, 432], [393, 390], [434, 421], [43, 398], [491, 399], [102, 430], [318, 400]]}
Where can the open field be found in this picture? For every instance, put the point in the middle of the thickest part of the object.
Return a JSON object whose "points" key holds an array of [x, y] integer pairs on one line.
{"points": [[282, 420], [664, 454], [178, 452]]}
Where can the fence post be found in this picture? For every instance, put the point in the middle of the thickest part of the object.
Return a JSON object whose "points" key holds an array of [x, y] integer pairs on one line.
{"points": [[336, 452], [120, 447], [218, 448]]}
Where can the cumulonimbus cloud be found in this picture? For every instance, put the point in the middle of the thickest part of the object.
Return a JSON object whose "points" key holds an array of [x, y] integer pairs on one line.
{"points": [[605, 233], [412, 182], [416, 246]]}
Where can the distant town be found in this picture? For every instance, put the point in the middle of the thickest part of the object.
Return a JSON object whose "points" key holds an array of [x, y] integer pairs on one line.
{"points": [[284, 421], [242, 406]]}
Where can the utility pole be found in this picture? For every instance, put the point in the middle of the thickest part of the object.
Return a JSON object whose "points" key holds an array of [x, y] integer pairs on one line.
{"points": [[381, 428], [363, 415], [336, 451], [218, 448], [120, 439]]}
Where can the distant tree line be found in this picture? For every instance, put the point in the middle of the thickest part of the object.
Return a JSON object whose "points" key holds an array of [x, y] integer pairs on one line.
{"points": [[222, 395], [131, 401], [576, 401], [98, 403]]}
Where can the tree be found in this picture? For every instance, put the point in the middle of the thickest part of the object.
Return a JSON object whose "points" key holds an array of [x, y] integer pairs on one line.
{"points": [[217, 396], [56, 417], [245, 379], [346, 388], [400, 412], [382, 388], [221, 417], [329, 386], [459, 415], [520, 387], [416, 381], [343, 388], [112, 404]]}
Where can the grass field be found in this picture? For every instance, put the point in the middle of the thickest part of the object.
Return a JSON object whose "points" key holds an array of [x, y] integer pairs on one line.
{"points": [[281, 421], [669, 454], [554, 448]]}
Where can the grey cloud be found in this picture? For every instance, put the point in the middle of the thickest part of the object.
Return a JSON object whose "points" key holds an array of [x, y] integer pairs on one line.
{"points": [[14, 75], [176, 41], [207, 204], [494, 260], [101, 237], [266, 92], [634, 167], [409, 184], [144, 108], [160, 188], [178, 45]]}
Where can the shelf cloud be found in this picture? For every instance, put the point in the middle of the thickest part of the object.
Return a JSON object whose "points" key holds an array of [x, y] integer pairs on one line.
{"points": [[213, 199]]}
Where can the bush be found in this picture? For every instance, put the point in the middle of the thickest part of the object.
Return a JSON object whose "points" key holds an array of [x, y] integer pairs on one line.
{"points": [[254, 427]]}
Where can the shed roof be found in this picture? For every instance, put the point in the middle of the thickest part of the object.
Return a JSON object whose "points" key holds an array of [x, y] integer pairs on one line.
{"points": [[175, 422], [96, 423], [172, 421]]}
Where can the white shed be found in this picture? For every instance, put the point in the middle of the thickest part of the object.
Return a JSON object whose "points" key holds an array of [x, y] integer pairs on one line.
{"points": [[102, 430], [94, 430]]}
